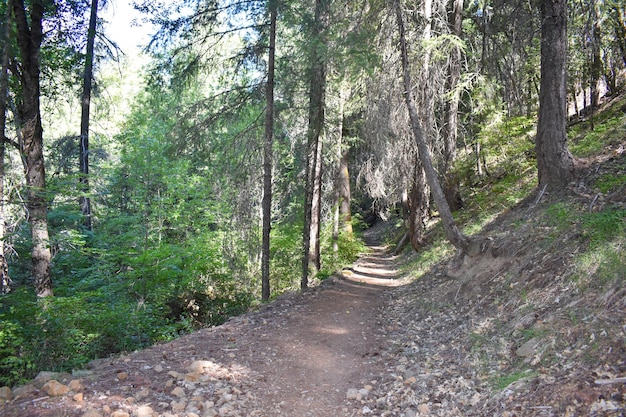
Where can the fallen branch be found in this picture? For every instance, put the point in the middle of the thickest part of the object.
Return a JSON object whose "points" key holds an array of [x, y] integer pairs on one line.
{"points": [[621, 380]]}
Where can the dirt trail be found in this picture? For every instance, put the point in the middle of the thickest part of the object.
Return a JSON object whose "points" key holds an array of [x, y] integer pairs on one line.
{"points": [[298, 356]]}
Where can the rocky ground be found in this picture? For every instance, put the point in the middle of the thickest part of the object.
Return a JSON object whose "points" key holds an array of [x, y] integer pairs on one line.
{"points": [[506, 333]]}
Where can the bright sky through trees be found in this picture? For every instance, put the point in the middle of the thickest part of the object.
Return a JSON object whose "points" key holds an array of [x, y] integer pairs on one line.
{"points": [[125, 27]]}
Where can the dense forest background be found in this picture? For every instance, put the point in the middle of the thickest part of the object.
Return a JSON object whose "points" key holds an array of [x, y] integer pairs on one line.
{"points": [[240, 158]]}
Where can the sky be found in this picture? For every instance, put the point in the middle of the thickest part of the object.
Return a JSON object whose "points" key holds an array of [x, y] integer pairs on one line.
{"points": [[124, 26]]}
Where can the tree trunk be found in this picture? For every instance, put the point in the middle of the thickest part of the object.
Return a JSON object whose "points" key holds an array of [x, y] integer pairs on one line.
{"points": [[317, 90], [5, 279], [31, 140], [342, 221], [554, 161], [343, 176], [418, 206], [596, 59], [85, 201], [450, 133], [345, 215], [316, 211], [267, 160], [620, 31], [453, 233]]}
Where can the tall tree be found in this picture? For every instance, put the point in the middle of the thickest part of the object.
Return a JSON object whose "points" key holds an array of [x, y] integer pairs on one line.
{"points": [[85, 201], [451, 107], [343, 174], [29, 25], [454, 235], [5, 279], [555, 163], [267, 157], [317, 100]]}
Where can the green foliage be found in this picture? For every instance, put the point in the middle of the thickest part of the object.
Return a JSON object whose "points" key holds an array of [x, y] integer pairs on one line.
{"points": [[15, 367], [286, 256], [349, 247]]}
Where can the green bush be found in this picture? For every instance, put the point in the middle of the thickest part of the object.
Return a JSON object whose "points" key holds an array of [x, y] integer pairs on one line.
{"points": [[15, 366]]}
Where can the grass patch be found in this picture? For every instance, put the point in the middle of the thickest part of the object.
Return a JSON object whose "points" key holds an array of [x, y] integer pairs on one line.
{"points": [[609, 129], [610, 182], [502, 382], [603, 226]]}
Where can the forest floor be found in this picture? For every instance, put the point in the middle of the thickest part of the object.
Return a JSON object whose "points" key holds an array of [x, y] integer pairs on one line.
{"points": [[515, 331]]}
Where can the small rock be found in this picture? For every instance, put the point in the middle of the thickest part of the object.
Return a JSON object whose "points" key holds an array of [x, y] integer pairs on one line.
{"points": [[179, 392], [193, 376], [423, 408], [210, 412], [45, 376], [54, 388], [178, 375], [529, 348], [144, 411], [120, 413], [225, 410], [92, 412], [352, 394], [144, 393], [410, 413], [76, 385], [78, 397], [6, 394], [179, 406], [364, 392], [199, 366], [158, 369], [23, 391]]}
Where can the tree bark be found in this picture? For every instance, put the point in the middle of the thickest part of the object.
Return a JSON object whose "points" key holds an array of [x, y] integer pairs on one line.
{"points": [[343, 175], [5, 279], [450, 131], [554, 161], [316, 209], [317, 92], [619, 30], [345, 215], [268, 160], [454, 235], [31, 140], [418, 207], [85, 201]]}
